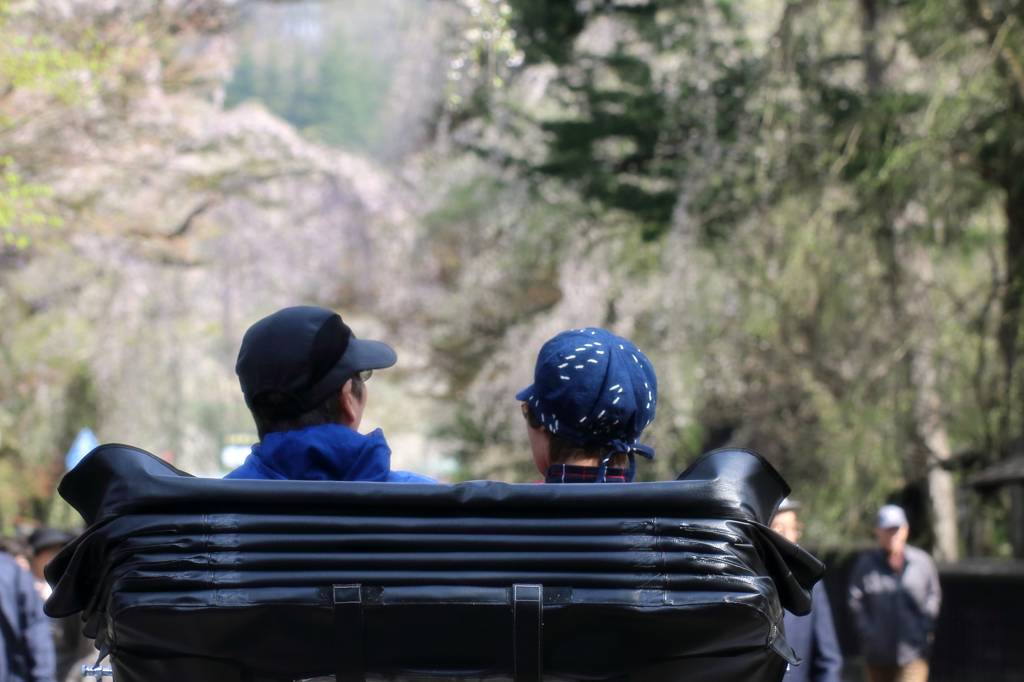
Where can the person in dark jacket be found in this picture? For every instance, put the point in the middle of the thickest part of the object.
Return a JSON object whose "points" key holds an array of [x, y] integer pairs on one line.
{"points": [[813, 637], [70, 644], [25, 636], [303, 374], [592, 396], [894, 597]]}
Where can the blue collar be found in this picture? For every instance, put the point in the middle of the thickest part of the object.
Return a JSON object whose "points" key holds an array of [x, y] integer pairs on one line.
{"points": [[329, 452]]}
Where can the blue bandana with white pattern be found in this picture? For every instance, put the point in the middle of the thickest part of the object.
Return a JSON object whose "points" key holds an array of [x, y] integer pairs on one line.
{"points": [[592, 387]]}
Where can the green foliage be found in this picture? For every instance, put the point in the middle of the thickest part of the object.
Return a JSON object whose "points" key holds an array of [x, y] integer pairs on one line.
{"points": [[546, 29], [480, 217], [486, 44], [345, 102], [49, 68], [37, 63], [612, 153], [832, 195], [639, 132], [18, 207], [46, 71], [336, 97]]}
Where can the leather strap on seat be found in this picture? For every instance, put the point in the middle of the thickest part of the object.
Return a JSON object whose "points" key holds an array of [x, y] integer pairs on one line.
{"points": [[349, 652], [527, 606]]}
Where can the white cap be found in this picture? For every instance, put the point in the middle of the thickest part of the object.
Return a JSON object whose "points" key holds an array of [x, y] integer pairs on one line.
{"points": [[789, 504], [890, 516]]}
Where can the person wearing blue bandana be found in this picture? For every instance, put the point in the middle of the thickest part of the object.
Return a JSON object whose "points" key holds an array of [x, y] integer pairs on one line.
{"points": [[593, 394], [303, 374]]}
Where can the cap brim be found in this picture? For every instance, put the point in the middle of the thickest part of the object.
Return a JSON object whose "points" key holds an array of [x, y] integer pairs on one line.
{"points": [[51, 539], [363, 354], [525, 394]]}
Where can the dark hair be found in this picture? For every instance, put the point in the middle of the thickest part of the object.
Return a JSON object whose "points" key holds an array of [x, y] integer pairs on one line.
{"points": [[15, 546], [562, 451], [327, 412]]}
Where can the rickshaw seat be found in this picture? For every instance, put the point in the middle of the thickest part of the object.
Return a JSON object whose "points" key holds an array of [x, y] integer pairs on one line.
{"points": [[180, 577]]}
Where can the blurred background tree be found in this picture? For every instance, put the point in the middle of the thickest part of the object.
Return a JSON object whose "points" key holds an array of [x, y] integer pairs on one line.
{"points": [[41, 75], [840, 180]]}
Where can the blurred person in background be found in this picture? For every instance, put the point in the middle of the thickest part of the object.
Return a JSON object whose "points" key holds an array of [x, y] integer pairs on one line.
{"points": [[592, 396], [303, 374], [894, 597], [45, 542], [26, 643], [813, 637], [17, 547], [70, 644]]}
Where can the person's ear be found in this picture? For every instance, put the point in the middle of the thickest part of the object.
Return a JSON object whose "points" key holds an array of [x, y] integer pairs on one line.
{"points": [[540, 445], [351, 407]]}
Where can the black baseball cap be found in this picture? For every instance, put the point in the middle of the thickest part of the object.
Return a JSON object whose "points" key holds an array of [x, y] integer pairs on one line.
{"points": [[47, 536], [304, 355]]}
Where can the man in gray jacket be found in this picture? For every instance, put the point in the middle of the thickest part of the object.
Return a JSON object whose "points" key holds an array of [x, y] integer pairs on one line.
{"points": [[894, 597]]}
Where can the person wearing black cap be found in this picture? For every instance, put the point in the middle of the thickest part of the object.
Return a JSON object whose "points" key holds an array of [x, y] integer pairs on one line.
{"points": [[70, 644], [303, 375], [592, 396], [813, 636], [45, 542]]}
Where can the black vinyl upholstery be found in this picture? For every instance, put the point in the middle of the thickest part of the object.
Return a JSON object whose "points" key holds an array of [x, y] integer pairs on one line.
{"points": [[200, 579]]}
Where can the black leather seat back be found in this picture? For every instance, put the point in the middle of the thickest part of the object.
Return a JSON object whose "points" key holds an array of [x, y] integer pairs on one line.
{"points": [[291, 580]]}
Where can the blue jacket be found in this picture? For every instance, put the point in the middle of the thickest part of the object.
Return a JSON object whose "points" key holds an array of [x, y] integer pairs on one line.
{"points": [[26, 643], [813, 638], [329, 452]]}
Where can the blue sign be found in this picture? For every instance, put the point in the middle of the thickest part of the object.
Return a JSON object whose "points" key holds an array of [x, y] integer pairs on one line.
{"points": [[85, 442], [232, 456]]}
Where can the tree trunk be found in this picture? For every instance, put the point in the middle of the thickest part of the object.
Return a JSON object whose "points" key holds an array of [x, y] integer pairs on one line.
{"points": [[1009, 332], [873, 65], [931, 431]]}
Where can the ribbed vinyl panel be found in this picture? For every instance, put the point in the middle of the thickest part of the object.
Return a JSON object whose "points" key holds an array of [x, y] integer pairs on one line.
{"points": [[212, 580]]}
